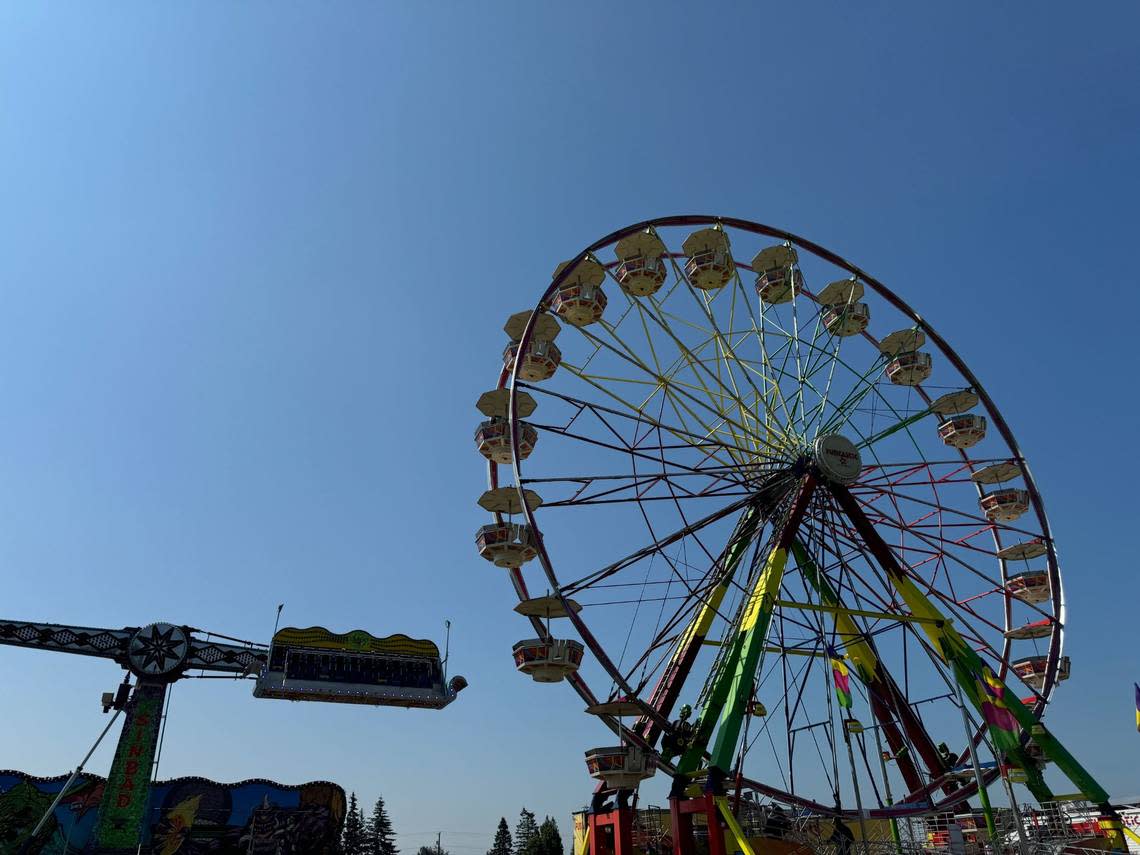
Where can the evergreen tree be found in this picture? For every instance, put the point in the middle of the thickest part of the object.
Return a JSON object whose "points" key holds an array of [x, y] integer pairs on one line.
{"points": [[432, 850], [502, 844], [379, 837], [526, 834], [353, 841], [549, 838]]}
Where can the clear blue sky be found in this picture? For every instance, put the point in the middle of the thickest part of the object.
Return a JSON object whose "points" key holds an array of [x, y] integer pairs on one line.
{"points": [[255, 259]]}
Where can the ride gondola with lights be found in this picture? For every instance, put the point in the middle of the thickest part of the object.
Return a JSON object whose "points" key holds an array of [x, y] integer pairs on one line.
{"points": [[315, 664]]}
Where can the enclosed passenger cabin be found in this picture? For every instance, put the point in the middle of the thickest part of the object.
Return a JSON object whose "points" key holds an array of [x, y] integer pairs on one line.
{"points": [[580, 300], [847, 320], [1032, 586], [619, 767], [493, 439], [506, 544], [641, 270], [909, 368], [315, 664], [538, 362], [1031, 670], [1034, 548], [548, 660], [1004, 505], [710, 263], [777, 278], [541, 358], [963, 431]]}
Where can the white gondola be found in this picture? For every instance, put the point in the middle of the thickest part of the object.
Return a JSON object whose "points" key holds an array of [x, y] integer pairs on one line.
{"points": [[315, 664], [542, 356], [847, 320], [548, 660], [620, 767], [777, 278], [710, 263], [493, 439], [1031, 670], [909, 368], [538, 362], [506, 544], [1032, 586], [580, 300], [963, 431], [642, 269], [1004, 505]]}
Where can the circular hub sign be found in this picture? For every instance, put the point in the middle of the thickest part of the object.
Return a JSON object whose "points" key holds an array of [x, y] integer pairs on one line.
{"points": [[158, 650], [838, 459]]}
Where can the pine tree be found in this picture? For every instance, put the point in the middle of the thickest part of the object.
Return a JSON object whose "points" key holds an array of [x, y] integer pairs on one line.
{"points": [[379, 837], [353, 840], [549, 838], [526, 834], [502, 844]]}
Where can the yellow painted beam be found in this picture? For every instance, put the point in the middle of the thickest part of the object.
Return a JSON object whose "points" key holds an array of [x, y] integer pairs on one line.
{"points": [[733, 826], [817, 607]]}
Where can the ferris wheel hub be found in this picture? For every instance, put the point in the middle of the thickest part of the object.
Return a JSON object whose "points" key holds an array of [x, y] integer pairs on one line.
{"points": [[837, 458]]}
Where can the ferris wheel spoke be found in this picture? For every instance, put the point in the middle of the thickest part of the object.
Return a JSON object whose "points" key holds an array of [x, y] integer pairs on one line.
{"points": [[951, 602], [678, 393], [686, 358], [656, 547], [894, 570], [639, 418], [973, 518], [726, 350]]}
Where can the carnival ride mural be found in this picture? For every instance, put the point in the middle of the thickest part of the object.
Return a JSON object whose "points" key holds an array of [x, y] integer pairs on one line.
{"points": [[188, 816]]}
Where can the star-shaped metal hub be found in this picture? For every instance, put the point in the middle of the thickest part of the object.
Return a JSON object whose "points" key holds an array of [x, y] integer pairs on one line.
{"points": [[158, 650]]}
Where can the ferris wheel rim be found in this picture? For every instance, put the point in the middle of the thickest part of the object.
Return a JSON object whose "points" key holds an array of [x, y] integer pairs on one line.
{"points": [[510, 381]]}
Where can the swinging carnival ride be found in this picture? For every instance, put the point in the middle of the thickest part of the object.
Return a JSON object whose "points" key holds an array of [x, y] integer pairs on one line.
{"points": [[744, 471], [311, 664]]}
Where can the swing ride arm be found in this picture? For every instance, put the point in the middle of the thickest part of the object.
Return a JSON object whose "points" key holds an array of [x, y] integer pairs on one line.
{"points": [[115, 644], [886, 703], [732, 684], [985, 690]]}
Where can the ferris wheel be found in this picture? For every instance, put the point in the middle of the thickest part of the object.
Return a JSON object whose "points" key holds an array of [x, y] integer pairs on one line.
{"points": [[768, 498]]}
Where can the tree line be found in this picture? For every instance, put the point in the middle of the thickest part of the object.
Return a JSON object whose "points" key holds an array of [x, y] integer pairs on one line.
{"points": [[530, 838], [373, 835], [367, 836]]}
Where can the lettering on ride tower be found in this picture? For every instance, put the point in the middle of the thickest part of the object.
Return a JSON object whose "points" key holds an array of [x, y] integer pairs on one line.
{"points": [[126, 797]]}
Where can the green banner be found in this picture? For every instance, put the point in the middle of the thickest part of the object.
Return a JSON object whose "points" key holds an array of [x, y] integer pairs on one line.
{"points": [[127, 794]]}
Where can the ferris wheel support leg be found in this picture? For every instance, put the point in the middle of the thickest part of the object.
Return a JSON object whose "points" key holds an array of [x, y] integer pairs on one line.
{"points": [[724, 711], [668, 688], [984, 689]]}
